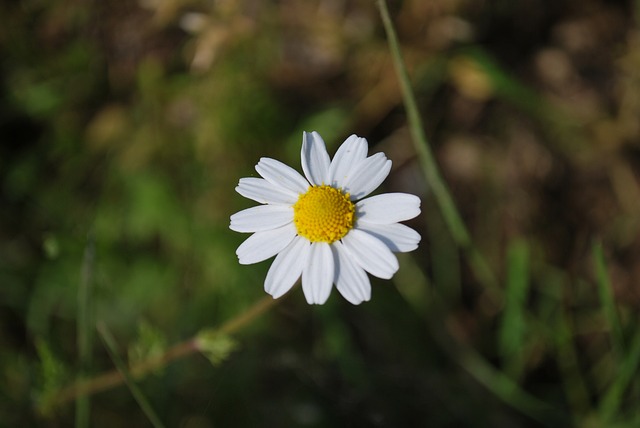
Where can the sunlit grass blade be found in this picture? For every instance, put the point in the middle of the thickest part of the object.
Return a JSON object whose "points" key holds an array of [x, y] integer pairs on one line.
{"points": [[506, 389], [606, 299], [628, 360], [430, 168], [513, 325], [144, 404], [497, 382], [626, 373], [555, 322], [415, 291], [84, 330]]}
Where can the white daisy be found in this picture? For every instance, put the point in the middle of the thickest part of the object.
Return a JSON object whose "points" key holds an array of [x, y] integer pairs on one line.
{"points": [[321, 227]]}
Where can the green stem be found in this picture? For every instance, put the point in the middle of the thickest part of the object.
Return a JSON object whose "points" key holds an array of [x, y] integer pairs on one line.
{"points": [[181, 350], [429, 166]]}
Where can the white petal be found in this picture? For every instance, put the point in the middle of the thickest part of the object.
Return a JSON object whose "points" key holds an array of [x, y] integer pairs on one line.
{"points": [[262, 217], [262, 245], [315, 159], [287, 267], [398, 237], [350, 279], [349, 154], [317, 275], [260, 190], [388, 208], [282, 175], [371, 254], [367, 176]]}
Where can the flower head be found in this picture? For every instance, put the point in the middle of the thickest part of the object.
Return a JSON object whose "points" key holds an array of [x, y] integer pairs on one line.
{"points": [[320, 227]]}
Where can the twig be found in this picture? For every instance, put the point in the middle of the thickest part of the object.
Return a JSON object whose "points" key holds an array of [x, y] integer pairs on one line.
{"points": [[114, 378], [429, 166]]}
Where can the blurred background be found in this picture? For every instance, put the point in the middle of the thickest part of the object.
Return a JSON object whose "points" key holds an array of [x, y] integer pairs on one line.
{"points": [[125, 126]]}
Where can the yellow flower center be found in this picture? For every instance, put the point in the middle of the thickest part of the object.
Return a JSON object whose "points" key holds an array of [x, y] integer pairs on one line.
{"points": [[323, 214]]}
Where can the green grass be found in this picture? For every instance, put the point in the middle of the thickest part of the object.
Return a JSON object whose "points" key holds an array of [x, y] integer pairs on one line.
{"points": [[118, 167]]}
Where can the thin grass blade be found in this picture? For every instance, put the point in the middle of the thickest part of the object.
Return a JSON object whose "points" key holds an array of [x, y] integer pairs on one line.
{"points": [[84, 331], [606, 299], [110, 345], [513, 325]]}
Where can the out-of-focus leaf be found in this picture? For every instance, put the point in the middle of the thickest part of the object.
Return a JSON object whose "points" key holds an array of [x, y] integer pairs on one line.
{"points": [[53, 374], [215, 346], [149, 344]]}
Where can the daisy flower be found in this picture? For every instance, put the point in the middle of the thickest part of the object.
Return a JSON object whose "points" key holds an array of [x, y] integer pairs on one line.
{"points": [[320, 227]]}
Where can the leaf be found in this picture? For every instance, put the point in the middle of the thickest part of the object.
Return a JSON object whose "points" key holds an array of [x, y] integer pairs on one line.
{"points": [[53, 374], [215, 346], [151, 343]]}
